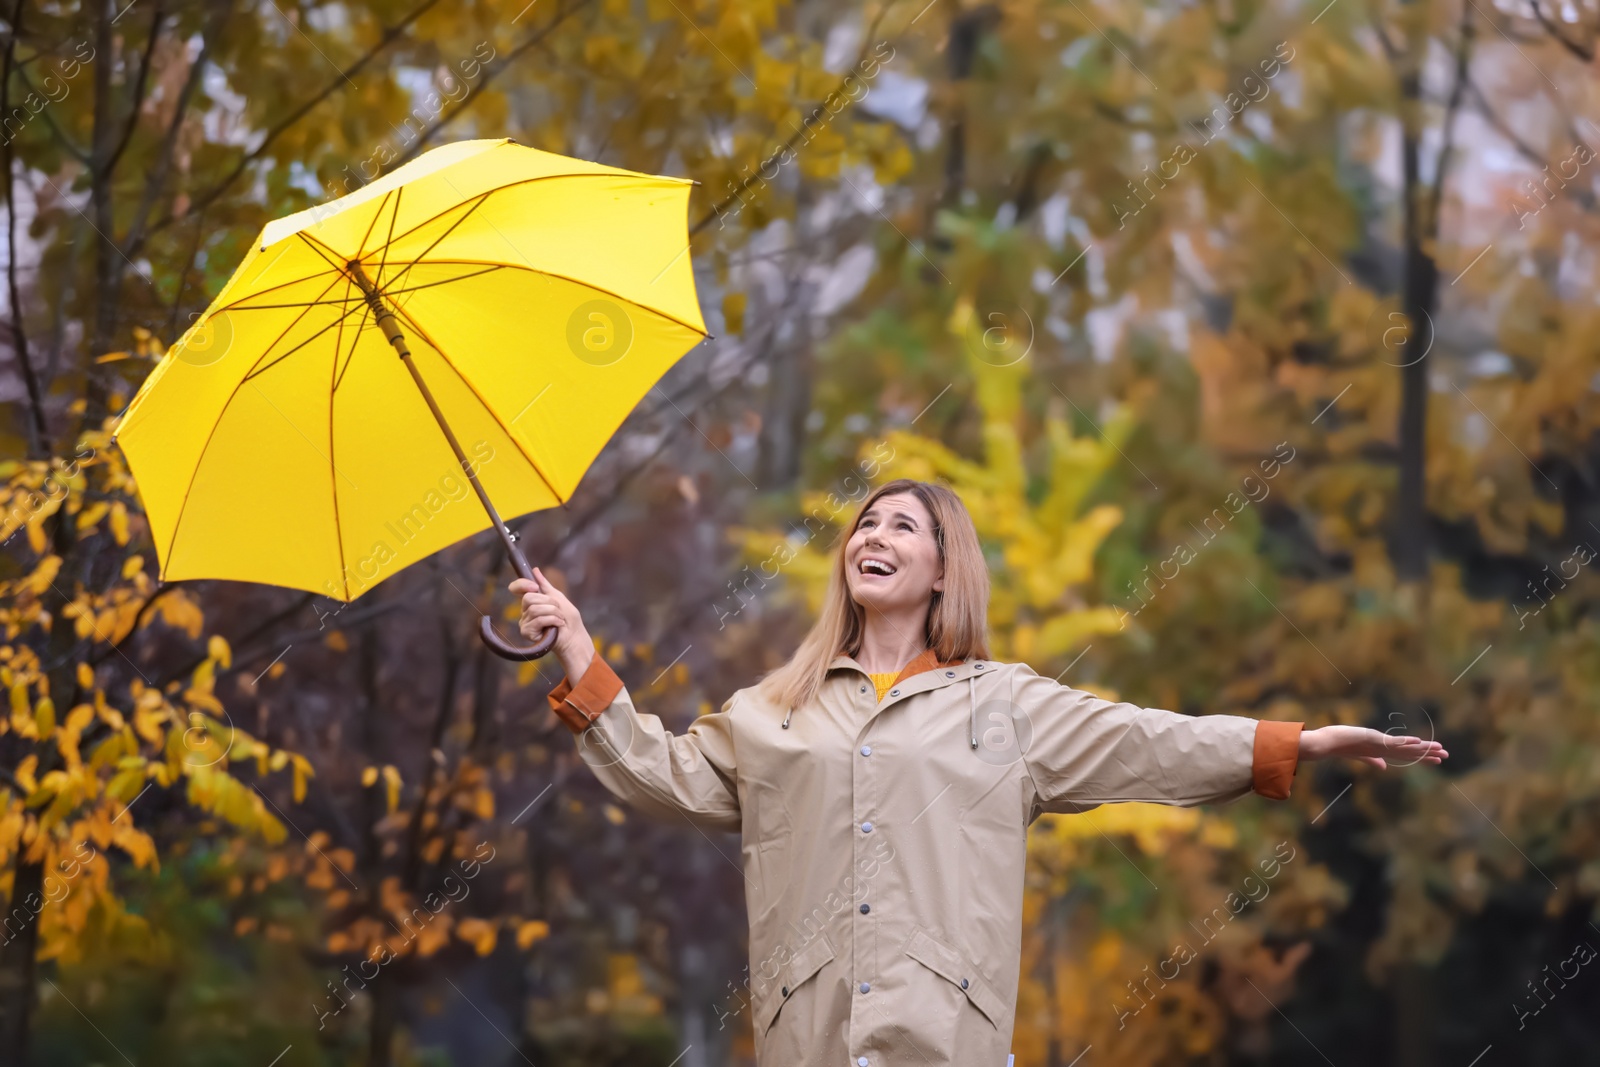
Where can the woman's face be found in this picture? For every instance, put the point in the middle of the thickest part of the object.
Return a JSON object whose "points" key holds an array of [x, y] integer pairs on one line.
{"points": [[892, 560]]}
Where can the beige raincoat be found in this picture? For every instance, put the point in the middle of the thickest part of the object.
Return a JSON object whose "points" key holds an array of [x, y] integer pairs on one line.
{"points": [[885, 842]]}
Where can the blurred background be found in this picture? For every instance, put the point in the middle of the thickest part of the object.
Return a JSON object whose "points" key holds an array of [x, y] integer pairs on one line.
{"points": [[1255, 335]]}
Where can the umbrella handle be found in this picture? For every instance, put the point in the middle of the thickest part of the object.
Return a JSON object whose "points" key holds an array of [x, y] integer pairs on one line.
{"points": [[506, 650], [497, 644]]}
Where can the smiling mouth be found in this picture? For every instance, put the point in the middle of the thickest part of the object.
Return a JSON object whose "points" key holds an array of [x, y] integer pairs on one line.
{"points": [[876, 568]]}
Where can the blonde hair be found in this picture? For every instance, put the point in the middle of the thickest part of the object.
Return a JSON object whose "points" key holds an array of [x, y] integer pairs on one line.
{"points": [[957, 621]]}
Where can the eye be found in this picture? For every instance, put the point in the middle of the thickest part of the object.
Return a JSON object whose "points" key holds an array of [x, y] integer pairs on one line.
{"points": [[906, 526]]}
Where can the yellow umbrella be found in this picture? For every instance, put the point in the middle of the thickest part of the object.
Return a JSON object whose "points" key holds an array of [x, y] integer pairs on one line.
{"points": [[486, 310]]}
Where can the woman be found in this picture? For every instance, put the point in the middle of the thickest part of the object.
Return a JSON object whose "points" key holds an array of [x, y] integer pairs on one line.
{"points": [[884, 779]]}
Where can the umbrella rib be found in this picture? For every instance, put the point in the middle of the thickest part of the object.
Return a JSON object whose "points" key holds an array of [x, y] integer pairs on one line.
{"points": [[544, 178], [334, 375], [177, 523], [492, 413], [376, 215], [339, 267], [489, 267], [305, 310], [414, 260], [383, 254], [293, 304], [365, 311], [575, 281], [236, 305], [328, 255], [317, 247], [257, 371], [347, 299]]}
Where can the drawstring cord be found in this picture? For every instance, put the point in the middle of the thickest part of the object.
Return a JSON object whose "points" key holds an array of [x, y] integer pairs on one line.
{"points": [[972, 721], [786, 718]]}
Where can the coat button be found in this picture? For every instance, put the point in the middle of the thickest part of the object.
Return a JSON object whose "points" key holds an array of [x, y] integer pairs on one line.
{"points": [[866, 750], [949, 674], [863, 689], [862, 1061], [894, 692], [977, 667], [785, 990], [865, 908], [865, 988], [866, 828], [963, 983]]}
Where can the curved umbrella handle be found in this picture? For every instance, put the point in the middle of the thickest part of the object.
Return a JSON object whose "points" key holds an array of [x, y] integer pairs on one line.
{"points": [[506, 650], [519, 563], [491, 637]]}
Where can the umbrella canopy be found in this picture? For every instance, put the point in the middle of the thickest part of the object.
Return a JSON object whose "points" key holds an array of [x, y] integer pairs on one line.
{"points": [[282, 440]]}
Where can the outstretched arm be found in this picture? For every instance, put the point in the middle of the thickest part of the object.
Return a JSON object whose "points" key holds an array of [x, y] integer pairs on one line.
{"points": [[630, 752], [1086, 751]]}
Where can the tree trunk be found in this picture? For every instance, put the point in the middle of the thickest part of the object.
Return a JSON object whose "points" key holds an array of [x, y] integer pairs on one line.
{"points": [[108, 258], [385, 994], [17, 956], [1414, 1016], [783, 426], [1419, 296]]}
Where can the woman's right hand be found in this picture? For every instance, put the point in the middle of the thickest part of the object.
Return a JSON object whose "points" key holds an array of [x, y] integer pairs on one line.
{"points": [[544, 606]]}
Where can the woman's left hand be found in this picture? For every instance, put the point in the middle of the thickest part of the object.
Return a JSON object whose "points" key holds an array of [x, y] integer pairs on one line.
{"points": [[1368, 746]]}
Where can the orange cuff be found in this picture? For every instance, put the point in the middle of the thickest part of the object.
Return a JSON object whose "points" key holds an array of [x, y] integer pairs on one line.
{"points": [[580, 705], [1277, 754]]}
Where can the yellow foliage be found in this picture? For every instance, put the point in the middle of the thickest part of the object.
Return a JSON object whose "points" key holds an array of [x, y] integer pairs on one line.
{"points": [[119, 523], [531, 931], [479, 933], [391, 777], [1037, 521]]}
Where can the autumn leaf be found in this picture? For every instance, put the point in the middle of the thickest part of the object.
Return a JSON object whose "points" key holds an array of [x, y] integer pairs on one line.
{"points": [[531, 931], [480, 934]]}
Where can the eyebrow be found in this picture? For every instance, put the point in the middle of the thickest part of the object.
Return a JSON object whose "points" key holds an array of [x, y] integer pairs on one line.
{"points": [[872, 513]]}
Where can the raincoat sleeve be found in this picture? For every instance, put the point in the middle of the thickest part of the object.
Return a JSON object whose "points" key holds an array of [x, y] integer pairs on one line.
{"points": [[640, 762], [1084, 751]]}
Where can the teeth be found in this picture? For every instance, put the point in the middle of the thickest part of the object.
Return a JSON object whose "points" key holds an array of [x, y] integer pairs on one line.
{"points": [[875, 566]]}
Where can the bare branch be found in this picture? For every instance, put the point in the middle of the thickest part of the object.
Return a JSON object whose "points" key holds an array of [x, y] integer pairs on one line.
{"points": [[342, 79], [488, 76], [169, 143], [1581, 196], [1390, 49], [141, 83], [1457, 91], [71, 146], [1583, 52], [806, 125]]}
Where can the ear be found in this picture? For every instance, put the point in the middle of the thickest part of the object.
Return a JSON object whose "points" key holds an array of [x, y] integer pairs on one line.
{"points": [[938, 583]]}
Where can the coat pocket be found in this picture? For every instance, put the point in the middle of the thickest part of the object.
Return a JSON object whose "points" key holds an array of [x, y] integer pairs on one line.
{"points": [[801, 968], [952, 966]]}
